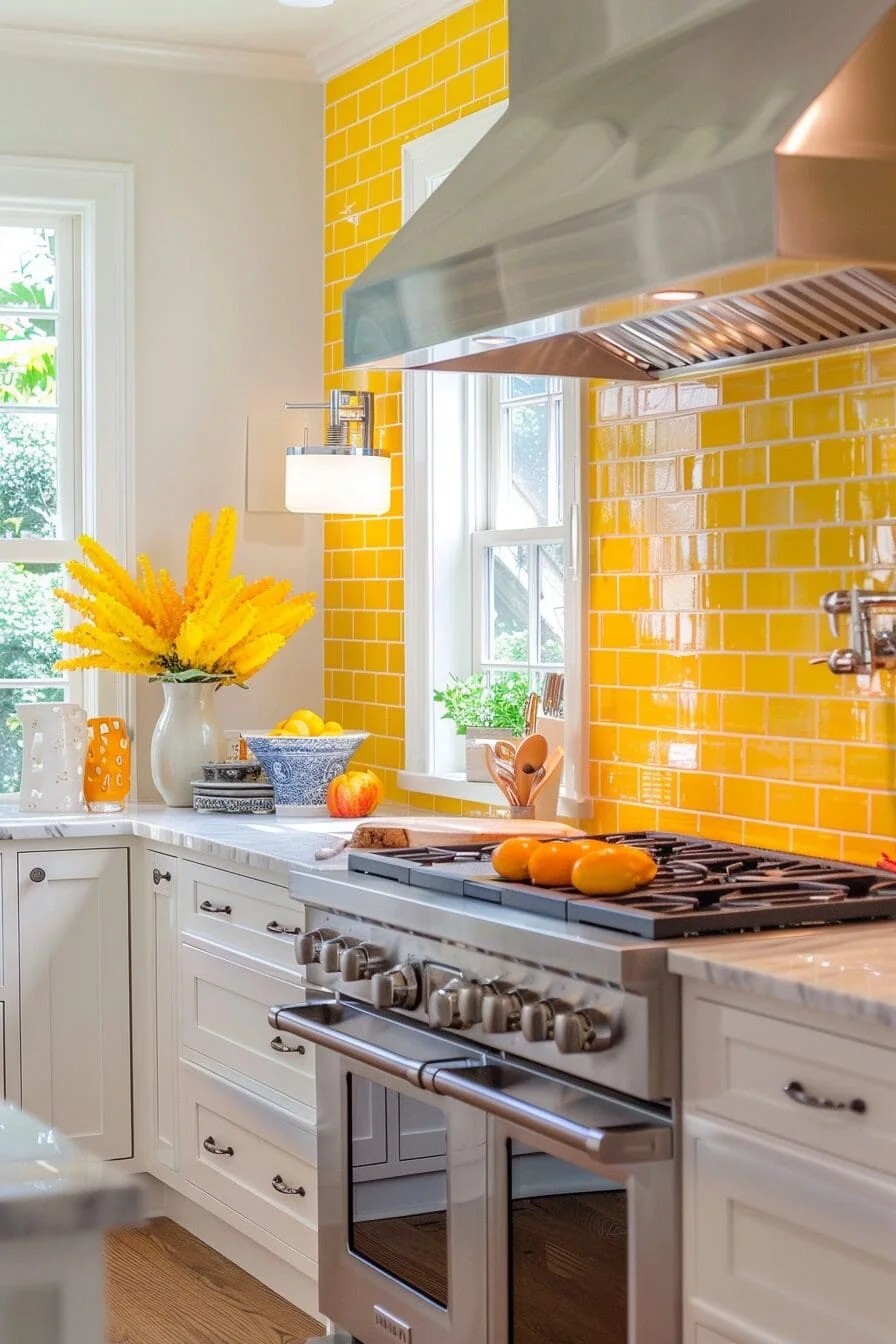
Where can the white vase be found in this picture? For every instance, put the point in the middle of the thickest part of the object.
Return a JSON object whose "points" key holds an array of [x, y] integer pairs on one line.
{"points": [[53, 751], [186, 736]]}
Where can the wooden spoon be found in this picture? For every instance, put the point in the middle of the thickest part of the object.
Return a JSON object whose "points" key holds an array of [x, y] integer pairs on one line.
{"points": [[530, 755], [552, 763], [505, 751], [493, 765]]}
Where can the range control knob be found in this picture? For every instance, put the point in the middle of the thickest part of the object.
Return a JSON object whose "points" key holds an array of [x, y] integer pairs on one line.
{"points": [[331, 951], [443, 1006], [538, 1018], [471, 1001], [308, 945], [586, 1031], [359, 962], [503, 1012], [398, 988]]}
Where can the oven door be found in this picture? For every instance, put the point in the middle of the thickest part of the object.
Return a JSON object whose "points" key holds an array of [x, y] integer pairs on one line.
{"points": [[402, 1181], [531, 1210], [583, 1211]]}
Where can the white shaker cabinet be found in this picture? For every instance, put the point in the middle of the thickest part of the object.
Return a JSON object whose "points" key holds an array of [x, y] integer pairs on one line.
{"points": [[789, 1173], [74, 994], [156, 997]]}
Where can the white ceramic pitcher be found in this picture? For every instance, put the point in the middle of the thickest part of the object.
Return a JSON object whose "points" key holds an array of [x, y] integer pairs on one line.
{"points": [[53, 751]]}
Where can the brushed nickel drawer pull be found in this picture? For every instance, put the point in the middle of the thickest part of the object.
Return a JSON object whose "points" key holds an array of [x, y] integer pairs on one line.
{"points": [[283, 929], [283, 1189], [796, 1092], [210, 909], [211, 1147], [37, 875], [158, 876], [282, 1048]]}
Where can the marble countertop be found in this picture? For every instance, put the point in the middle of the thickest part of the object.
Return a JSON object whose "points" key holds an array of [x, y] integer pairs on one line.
{"points": [[845, 970], [274, 845], [50, 1186]]}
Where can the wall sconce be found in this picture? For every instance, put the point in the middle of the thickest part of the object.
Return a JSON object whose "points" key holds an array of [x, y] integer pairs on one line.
{"points": [[345, 474]]}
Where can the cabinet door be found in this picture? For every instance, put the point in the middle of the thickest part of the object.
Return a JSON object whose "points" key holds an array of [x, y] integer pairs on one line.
{"points": [[421, 1130], [794, 1249], [160, 889], [368, 1123], [75, 994]]}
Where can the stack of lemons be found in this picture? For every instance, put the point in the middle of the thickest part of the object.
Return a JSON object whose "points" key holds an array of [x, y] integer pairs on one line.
{"points": [[305, 723]]}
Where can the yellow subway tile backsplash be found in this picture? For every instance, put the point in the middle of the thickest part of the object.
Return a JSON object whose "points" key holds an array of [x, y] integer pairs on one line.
{"points": [[720, 509]]}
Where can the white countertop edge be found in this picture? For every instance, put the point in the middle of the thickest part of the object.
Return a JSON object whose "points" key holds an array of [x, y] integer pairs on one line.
{"points": [[847, 971]]}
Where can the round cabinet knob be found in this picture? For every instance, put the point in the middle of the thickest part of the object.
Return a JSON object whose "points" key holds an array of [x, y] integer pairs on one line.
{"points": [[503, 1012], [538, 1019], [398, 988], [357, 963], [331, 952], [443, 1008], [308, 946], [587, 1031]]}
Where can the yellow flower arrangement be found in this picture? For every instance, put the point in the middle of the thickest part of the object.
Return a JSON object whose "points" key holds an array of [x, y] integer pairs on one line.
{"points": [[220, 628]]}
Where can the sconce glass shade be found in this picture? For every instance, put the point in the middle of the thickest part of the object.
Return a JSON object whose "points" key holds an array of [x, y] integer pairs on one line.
{"points": [[328, 481]]}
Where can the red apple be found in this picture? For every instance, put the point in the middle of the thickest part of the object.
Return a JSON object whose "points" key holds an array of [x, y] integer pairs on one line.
{"points": [[357, 793]]}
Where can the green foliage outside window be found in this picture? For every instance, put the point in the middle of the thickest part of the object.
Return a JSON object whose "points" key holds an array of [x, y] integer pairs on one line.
{"points": [[29, 613]]}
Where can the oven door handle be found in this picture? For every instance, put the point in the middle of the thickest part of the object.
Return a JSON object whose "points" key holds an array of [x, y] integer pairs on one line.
{"points": [[611, 1132], [393, 1048]]}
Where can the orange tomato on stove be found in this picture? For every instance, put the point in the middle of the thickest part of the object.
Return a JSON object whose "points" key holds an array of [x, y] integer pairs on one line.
{"points": [[613, 870], [552, 863], [511, 859]]}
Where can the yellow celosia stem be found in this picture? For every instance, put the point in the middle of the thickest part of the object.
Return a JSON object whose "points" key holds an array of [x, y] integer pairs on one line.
{"points": [[197, 550]]}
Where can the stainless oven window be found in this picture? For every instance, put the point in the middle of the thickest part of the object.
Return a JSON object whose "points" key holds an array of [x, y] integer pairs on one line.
{"points": [[567, 1260], [398, 1217]]}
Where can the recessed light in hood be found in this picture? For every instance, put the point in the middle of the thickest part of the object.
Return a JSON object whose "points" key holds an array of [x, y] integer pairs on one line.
{"points": [[746, 134], [675, 295]]}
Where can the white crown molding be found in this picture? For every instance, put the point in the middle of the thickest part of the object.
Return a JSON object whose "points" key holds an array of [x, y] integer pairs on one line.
{"points": [[331, 58], [290, 66]]}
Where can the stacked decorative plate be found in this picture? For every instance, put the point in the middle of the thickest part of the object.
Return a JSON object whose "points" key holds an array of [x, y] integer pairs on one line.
{"points": [[237, 788]]}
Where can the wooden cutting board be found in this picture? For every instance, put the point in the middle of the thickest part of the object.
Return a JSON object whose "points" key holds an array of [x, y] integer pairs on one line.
{"points": [[409, 833]]}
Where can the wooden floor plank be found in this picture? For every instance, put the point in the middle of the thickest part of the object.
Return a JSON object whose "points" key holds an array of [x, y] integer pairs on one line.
{"points": [[164, 1286]]}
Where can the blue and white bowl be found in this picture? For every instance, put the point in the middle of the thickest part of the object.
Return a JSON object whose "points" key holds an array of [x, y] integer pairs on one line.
{"points": [[300, 768]]}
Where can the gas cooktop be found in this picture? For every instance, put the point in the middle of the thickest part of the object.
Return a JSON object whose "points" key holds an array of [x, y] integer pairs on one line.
{"points": [[702, 886]]}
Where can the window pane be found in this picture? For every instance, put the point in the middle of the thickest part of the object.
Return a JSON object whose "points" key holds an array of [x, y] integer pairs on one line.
{"points": [[28, 360], [528, 465], [28, 474], [11, 731], [526, 385], [27, 267], [29, 613], [508, 634], [550, 603]]}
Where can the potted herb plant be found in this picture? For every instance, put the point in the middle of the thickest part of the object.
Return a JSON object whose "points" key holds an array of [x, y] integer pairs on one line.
{"points": [[484, 712]]}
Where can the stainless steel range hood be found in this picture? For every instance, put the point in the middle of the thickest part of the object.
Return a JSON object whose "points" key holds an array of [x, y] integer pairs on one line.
{"points": [[652, 145]]}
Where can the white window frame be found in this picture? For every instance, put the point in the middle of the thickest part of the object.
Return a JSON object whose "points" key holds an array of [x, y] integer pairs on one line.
{"points": [[442, 411], [98, 200]]}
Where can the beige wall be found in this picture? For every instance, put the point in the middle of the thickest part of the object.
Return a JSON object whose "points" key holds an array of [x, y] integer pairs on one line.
{"points": [[228, 187]]}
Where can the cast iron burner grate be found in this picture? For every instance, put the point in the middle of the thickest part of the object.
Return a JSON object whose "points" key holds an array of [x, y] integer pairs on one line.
{"points": [[702, 886]]}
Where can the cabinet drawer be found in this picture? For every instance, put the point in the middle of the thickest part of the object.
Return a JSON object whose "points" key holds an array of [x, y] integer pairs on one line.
{"points": [[267, 1170], [243, 914], [797, 1251], [738, 1064], [224, 1017]]}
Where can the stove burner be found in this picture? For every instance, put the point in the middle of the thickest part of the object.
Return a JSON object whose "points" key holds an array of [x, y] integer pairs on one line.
{"points": [[701, 886]]}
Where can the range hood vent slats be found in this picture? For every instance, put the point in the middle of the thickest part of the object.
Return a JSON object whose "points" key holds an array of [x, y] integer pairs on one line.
{"points": [[760, 323]]}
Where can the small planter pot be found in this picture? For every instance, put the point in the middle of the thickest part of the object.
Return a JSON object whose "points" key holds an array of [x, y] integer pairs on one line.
{"points": [[477, 738]]}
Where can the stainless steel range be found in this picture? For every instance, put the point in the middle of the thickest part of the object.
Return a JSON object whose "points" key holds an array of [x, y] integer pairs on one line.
{"points": [[497, 1085]]}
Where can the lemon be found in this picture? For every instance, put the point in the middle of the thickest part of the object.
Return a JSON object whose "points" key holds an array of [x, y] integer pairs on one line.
{"points": [[331, 728], [314, 722]]}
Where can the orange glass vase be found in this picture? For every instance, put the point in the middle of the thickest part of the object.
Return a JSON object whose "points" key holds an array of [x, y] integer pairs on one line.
{"points": [[107, 769]]}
